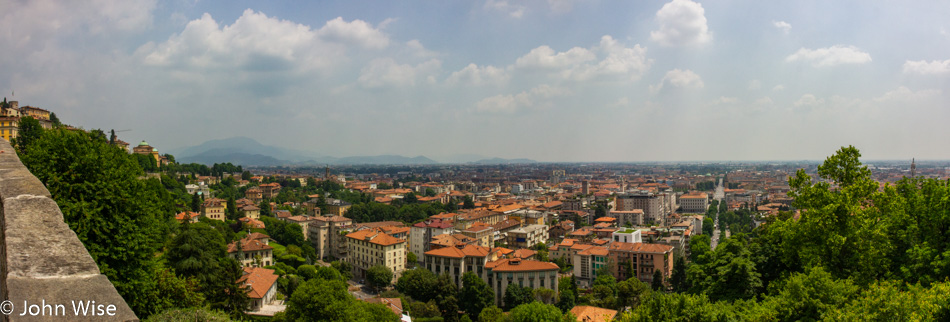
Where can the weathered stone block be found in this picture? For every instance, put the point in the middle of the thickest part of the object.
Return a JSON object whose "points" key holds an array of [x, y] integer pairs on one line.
{"points": [[67, 292], [16, 181], [29, 212]]}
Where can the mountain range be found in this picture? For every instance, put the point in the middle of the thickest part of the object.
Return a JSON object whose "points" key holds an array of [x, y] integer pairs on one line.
{"points": [[248, 152]]}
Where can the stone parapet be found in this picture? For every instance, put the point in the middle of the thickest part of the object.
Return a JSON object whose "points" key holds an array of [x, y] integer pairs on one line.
{"points": [[42, 261]]}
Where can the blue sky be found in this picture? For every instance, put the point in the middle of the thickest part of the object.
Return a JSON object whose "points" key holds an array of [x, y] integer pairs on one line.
{"points": [[549, 80]]}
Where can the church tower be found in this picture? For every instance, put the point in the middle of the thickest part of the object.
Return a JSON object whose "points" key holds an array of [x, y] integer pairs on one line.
{"points": [[913, 168]]}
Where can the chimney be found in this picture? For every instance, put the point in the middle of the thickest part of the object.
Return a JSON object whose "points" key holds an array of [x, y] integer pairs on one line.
{"points": [[514, 261]]}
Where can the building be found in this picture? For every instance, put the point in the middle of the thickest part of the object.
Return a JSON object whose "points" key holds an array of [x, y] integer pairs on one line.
{"points": [[303, 222], [652, 205], [588, 262], [483, 234], [269, 190], [254, 194], [214, 209], [627, 218], [528, 216], [188, 216], [252, 250], [696, 202], [252, 212], [328, 235], [525, 273], [643, 259], [627, 236], [370, 247], [337, 207], [261, 286], [144, 149], [585, 313], [457, 260], [421, 233], [9, 126], [528, 236]]}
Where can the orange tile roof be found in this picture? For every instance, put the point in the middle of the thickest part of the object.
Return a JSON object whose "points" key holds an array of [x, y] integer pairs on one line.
{"points": [[253, 242], [375, 236], [523, 253], [640, 247], [190, 214], [520, 265], [259, 279], [594, 250], [586, 313], [606, 219], [455, 252]]}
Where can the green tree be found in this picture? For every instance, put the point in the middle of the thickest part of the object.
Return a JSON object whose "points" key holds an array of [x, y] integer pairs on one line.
{"points": [[232, 214], [657, 282], [55, 120], [491, 314], [195, 202], [328, 300], [516, 295], [536, 312], [379, 277], [121, 220], [411, 198], [411, 259], [631, 293], [28, 131], [475, 294], [345, 269], [678, 278], [544, 295], [468, 203], [419, 284]]}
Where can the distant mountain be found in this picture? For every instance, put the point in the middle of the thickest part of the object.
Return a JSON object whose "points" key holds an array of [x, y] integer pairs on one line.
{"points": [[237, 158], [504, 161], [242, 146], [459, 158], [248, 152], [385, 159]]}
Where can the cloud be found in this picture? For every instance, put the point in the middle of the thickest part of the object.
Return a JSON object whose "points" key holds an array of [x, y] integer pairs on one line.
{"points": [[356, 32], [474, 75], [682, 23], [755, 84], [904, 94], [680, 79], [513, 10], [809, 100], [582, 64], [382, 72], [32, 23], [764, 101], [778, 87], [725, 100], [783, 26], [831, 56], [546, 58], [934, 67], [536, 98]]}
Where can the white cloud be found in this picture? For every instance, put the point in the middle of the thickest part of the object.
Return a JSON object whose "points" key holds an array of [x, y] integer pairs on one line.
{"points": [[581, 64], [355, 32], [725, 100], [783, 26], [680, 79], [755, 84], [809, 100], [778, 87], [34, 22], [764, 101], [474, 75], [682, 22], [546, 58], [513, 10], [536, 98], [831, 56], [386, 72], [923, 67], [904, 94]]}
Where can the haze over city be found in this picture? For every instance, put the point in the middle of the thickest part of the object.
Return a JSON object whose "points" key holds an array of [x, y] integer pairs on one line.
{"points": [[545, 80]]}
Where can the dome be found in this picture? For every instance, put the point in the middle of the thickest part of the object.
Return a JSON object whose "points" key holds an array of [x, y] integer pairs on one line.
{"points": [[143, 143]]}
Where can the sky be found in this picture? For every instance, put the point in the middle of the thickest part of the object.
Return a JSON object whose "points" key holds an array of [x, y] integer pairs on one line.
{"points": [[554, 80]]}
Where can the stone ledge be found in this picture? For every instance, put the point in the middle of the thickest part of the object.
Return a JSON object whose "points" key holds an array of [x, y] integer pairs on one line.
{"points": [[63, 291]]}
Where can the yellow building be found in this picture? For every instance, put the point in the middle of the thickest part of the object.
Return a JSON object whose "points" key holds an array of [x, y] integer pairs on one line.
{"points": [[8, 127], [145, 149], [370, 247]]}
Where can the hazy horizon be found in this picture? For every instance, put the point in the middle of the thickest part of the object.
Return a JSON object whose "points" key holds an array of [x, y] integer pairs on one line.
{"points": [[553, 81]]}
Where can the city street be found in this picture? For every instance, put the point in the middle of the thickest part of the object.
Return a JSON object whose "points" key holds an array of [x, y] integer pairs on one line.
{"points": [[718, 195]]}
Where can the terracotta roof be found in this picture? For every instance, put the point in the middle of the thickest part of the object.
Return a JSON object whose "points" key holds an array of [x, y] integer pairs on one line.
{"points": [[552, 204], [189, 214], [455, 252], [586, 313], [394, 304], [520, 265], [332, 218], [259, 279], [606, 219], [501, 250], [434, 223], [506, 224], [253, 242], [375, 236], [523, 253], [640, 247], [594, 250]]}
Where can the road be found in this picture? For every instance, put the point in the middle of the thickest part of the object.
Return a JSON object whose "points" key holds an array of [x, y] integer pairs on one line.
{"points": [[718, 195]]}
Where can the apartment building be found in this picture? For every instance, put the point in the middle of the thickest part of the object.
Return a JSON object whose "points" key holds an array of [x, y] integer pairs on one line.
{"points": [[696, 202], [214, 209], [328, 235], [527, 236], [525, 273], [632, 217], [457, 260], [587, 262], [642, 259], [422, 233], [252, 251], [650, 203], [370, 247]]}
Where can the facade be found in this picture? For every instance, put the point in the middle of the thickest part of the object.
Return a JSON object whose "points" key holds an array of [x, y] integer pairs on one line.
{"points": [[483, 234], [252, 251], [303, 222], [254, 194], [527, 236], [144, 149], [627, 236], [650, 203], [455, 261], [337, 207], [251, 212], [9, 126], [269, 190], [526, 273], [627, 217], [261, 286], [587, 262], [214, 209], [421, 233], [694, 202], [370, 247], [643, 259], [328, 235]]}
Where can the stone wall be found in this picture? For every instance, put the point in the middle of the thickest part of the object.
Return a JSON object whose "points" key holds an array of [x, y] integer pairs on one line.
{"points": [[42, 262]]}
